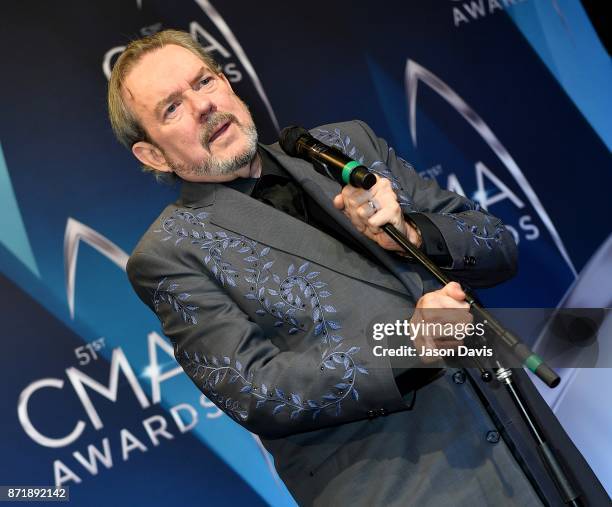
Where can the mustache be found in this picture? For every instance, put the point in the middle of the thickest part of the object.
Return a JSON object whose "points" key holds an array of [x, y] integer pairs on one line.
{"points": [[213, 122]]}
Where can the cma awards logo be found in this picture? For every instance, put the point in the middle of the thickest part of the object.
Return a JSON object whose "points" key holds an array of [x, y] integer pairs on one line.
{"points": [[465, 12], [225, 48], [183, 417], [485, 178], [178, 419]]}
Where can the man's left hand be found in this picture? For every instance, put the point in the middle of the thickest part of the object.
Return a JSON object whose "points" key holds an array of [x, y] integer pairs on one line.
{"points": [[369, 209]]}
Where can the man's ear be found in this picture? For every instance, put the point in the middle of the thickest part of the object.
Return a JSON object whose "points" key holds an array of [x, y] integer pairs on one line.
{"points": [[151, 155]]}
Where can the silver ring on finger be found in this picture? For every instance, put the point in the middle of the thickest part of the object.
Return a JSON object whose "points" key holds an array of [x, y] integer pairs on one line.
{"points": [[372, 205]]}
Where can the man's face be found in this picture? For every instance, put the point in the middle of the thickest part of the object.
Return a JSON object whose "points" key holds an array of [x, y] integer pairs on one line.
{"points": [[199, 127]]}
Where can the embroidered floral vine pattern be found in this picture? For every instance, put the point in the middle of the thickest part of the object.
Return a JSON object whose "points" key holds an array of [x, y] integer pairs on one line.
{"points": [[166, 295], [280, 296], [213, 373], [284, 309], [214, 243], [485, 235], [295, 292], [343, 142], [307, 284]]}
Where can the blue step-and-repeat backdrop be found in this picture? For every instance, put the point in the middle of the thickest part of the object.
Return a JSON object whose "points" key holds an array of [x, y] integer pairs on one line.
{"points": [[505, 101]]}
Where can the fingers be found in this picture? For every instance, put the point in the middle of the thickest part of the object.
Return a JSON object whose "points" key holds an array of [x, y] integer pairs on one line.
{"points": [[338, 202], [370, 209], [446, 306], [357, 198], [444, 315], [454, 291], [351, 198], [449, 296], [354, 203], [390, 212], [441, 329]]}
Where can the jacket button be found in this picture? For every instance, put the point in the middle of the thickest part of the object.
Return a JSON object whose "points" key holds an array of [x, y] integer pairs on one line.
{"points": [[492, 437], [472, 260], [466, 260], [382, 411], [371, 414], [459, 377]]}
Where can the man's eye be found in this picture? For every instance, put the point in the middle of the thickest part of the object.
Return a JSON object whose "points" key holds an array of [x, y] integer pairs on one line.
{"points": [[171, 108], [205, 81]]}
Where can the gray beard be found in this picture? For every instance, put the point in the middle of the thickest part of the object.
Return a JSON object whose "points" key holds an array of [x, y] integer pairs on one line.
{"points": [[214, 166]]}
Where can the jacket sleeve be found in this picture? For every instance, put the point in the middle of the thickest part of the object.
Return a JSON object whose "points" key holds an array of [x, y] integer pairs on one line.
{"points": [[253, 378], [482, 251]]}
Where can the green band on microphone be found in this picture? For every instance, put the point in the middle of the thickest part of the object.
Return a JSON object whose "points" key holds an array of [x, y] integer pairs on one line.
{"points": [[348, 169], [532, 362]]}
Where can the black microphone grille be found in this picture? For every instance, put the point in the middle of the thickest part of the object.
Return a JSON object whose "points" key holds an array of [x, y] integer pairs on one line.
{"points": [[288, 139]]}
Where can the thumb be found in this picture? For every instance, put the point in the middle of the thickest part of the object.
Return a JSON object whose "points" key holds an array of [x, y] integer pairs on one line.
{"points": [[454, 290], [338, 202]]}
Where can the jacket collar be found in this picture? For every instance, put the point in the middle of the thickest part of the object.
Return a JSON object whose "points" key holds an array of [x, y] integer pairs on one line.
{"points": [[236, 211], [197, 195]]}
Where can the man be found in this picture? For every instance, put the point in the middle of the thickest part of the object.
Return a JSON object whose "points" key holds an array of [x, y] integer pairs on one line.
{"points": [[267, 278]]}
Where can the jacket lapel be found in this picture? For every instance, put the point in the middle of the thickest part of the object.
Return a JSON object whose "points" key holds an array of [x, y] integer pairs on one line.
{"points": [[323, 189], [235, 211]]}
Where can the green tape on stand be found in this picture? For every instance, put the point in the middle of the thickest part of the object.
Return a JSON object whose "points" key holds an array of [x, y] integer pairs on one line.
{"points": [[533, 362], [348, 169]]}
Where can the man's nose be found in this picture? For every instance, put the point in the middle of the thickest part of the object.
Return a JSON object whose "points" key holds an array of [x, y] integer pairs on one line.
{"points": [[201, 105]]}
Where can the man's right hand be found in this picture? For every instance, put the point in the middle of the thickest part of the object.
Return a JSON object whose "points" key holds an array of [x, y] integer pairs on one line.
{"points": [[446, 305]]}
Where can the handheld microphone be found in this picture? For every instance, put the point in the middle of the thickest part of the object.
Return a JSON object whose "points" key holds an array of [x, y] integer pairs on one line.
{"points": [[297, 142]]}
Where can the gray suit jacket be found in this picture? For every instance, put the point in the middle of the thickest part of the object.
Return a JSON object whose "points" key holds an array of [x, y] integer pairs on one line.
{"points": [[271, 320]]}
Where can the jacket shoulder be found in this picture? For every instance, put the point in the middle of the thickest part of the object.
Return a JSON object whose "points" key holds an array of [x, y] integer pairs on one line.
{"points": [[150, 243], [355, 139], [351, 127]]}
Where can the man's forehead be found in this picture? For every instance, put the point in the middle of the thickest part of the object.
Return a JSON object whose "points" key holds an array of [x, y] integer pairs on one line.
{"points": [[159, 73]]}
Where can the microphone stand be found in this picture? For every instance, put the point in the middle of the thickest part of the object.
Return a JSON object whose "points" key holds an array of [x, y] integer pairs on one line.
{"points": [[296, 141], [504, 375], [566, 490], [528, 358]]}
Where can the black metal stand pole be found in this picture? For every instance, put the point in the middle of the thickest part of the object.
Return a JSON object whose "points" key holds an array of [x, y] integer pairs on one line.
{"points": [[568, 493], [504, 375], [527, 357]]}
